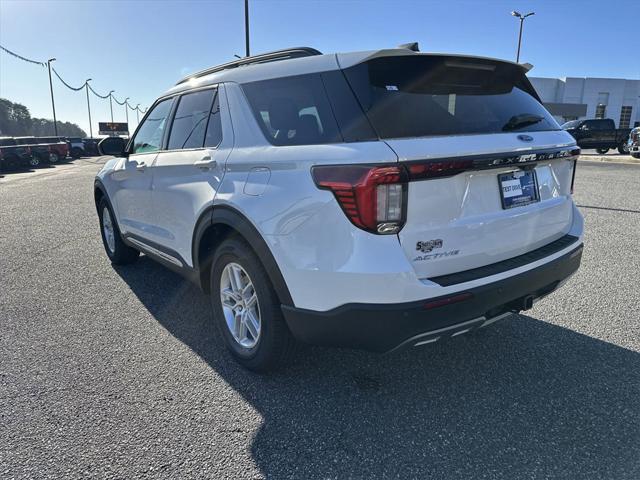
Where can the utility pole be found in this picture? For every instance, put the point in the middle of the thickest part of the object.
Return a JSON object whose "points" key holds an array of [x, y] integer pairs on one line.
{"points": [[246, 26], [521, 17], [53, 103], [86, 87], [126, 111], [111, 104]]}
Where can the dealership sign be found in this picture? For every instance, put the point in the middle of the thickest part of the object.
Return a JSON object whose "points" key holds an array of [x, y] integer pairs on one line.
{"points": [[113, 128]]}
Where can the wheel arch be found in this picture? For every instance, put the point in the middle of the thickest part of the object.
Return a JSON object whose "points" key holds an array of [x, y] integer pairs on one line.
{"points": [[217, 223], [99, 192]]}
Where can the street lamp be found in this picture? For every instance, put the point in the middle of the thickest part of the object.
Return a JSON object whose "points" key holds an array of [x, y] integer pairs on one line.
{"points": [[53, 103], [86, 87], [111, 104], [138, 112], [246, 27], [521, 17]]}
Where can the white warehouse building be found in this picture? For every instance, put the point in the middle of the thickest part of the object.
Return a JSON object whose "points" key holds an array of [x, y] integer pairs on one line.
{"points": [[572, 98]]}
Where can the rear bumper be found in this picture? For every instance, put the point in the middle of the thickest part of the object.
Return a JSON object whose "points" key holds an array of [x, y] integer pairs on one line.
{"points": [[384, 327]]}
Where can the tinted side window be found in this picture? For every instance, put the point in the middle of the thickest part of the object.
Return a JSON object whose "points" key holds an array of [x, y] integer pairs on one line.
{"points": [[149, 136], [214, 126], [190, 121], [293, 110]]}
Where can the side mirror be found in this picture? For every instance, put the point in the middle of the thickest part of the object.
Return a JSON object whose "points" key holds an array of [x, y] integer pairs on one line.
{"points": [[584, 126], [112, 146]]}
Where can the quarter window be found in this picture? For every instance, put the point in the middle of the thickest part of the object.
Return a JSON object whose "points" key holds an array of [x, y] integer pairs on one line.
{"points": [[190, 121], [214, 126], [149, 136], [293, 110]]}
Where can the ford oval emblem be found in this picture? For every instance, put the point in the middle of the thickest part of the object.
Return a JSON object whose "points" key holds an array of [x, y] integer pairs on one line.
{"points": [[525, 138]]}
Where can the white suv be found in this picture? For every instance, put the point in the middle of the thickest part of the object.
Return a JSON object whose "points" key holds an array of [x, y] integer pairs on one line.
{"points": [[371, 199]]}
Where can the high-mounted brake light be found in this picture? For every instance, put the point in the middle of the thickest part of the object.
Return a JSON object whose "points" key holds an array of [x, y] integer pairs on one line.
{"points": [[372, 197]]}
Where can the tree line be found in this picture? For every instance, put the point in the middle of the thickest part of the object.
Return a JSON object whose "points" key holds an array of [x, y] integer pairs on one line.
{"points": [[16, 121]]}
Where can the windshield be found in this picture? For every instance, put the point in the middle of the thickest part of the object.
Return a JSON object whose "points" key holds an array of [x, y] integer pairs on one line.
{"points": [[418, 96], [571, 124]]}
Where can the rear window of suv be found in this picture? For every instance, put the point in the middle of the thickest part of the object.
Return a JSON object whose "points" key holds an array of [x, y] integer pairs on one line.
{"points": [[418, 96]]}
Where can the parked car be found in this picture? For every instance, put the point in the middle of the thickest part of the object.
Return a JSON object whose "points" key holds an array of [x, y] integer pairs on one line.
{"points": [[633, 145], [375, 200], [39, 153], [59, 148], [598, 134], [76, 147], [13, 156]]}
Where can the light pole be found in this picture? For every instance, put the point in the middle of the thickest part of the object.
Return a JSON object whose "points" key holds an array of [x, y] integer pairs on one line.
{"points": [[246, 26], [521, 17], [86, 87], [53, 103], [111, 104], [126, 111], [138, 113]]}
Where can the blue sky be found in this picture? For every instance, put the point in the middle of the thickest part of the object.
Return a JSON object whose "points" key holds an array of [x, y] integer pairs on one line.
{"points": [[140, 48]]}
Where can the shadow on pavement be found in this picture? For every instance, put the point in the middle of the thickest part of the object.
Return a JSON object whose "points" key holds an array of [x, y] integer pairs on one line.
{"points": [[524, 399]]}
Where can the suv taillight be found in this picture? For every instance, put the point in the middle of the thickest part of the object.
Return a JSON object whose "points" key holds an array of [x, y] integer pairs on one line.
{"points": [[372, 197]]}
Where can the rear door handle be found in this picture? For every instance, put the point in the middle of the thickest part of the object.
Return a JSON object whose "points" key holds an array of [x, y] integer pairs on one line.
{"points": [[205, 163], [141, 167]]}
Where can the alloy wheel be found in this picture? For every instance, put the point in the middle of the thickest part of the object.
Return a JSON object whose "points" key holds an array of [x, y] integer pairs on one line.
{"points": [[240, 305], [107, 228]]}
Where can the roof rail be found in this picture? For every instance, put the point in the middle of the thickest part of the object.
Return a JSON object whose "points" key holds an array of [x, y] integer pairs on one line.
{"points": [[274, 56]]}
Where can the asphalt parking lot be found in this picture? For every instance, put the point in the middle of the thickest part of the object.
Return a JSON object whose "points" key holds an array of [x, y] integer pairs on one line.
{"points": [[118, 373]]}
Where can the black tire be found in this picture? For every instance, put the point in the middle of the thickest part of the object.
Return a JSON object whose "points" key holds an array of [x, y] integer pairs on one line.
{"points": [[76, 152], [122, 254], [35, 161], [53, 157], [275, 346], [635, 155], [10, 162], [623, 150], [602, 151]]}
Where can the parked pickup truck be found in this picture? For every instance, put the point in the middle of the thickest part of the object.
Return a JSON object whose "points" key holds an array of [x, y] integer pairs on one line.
{"points": [[633, 144], [76, 146], [59, 147], [39, 153], [12, 156], [598, 134]]}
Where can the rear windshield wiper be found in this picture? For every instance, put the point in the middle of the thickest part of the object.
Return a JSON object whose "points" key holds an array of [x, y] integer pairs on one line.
{"points": [[520, 121]]}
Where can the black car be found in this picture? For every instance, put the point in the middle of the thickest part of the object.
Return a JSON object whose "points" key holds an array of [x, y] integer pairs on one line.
{"points": [[600, 134]]}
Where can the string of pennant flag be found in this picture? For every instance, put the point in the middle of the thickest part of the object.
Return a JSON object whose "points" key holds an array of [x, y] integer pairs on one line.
{"points": [[75, 89]]}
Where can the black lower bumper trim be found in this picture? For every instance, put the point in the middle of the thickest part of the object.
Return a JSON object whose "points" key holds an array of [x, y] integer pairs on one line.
{"points": [[382, 327], [506, 265]]}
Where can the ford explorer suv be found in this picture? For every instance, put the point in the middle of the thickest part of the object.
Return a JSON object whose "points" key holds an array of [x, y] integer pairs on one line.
{"points": [[373, 200], [600, 134]]}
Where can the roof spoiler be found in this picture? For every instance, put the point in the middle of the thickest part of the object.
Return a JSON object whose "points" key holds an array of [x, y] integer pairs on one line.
{"points": [[526, 66], [413, 46]]}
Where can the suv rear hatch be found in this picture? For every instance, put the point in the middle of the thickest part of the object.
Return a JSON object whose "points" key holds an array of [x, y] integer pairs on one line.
{"points": [[490, 170]]}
